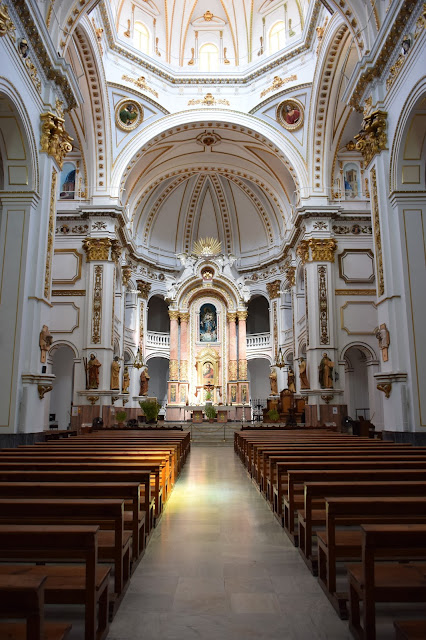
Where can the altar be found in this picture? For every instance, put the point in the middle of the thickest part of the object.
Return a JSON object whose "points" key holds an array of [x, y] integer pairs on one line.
{"points": [[223, 413]]}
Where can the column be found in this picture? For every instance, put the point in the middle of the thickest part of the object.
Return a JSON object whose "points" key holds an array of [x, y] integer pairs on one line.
{"points": [[242, 345], [184, 346], [232, 351], [174, 344]]}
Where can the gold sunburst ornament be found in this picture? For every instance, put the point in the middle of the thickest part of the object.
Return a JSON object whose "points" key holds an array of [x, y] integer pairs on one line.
{"points": [[207, 247]]}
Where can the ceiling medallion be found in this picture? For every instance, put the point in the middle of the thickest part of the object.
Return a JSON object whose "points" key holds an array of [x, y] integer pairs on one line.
{"points": [[208, 16], [128, 114], [207, 247], [290, 114], [208, 138]]}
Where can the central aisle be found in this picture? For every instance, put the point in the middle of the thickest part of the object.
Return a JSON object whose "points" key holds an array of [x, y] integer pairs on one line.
{"points": [[219, 566]]}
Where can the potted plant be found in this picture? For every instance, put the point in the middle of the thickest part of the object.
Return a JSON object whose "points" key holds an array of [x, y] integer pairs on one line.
{"points": [[150, 409], [208, 397], [210, 412], [121, 416], [273, 415]]}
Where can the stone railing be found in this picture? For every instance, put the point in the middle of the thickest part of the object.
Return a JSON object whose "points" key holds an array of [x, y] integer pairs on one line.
{"points": [[259, 341], [157, 340]]}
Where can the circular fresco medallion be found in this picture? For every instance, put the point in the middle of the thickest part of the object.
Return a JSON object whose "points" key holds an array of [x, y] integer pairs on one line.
{"points": [[290, 114], [128, 115]]}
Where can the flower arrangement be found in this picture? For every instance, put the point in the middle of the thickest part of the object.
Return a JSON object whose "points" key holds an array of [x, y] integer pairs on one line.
{"points": [[151, 409]]}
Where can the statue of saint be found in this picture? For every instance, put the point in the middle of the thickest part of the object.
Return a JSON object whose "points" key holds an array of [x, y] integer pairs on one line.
{"points": [[144, 381], [326, 372], [290, 381], [273, 380], [115, 374], [93, 367], [45, 342], [126, 380], [304, 382]]}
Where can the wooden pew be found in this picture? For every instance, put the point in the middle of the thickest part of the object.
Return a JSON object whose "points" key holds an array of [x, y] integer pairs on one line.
{"points": [[313, 513], [410, 629], [84, 476], [22, 597], [115, 547], [65, 584], [336, 544], [371, 581]]}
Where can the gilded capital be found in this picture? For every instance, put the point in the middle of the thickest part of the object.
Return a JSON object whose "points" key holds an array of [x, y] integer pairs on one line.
{"points": [[242, 315], [174, 314], [144, 288], [290, 274], [54, 140], [96, 248], [126, 272], [372, 138], [274, 289], [115, 250], [322, 250], [184, 316], [231, 317], [6, 24], [303, 251]]}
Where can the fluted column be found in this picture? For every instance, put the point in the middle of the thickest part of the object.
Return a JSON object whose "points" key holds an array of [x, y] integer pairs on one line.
{"points": [[184, 347], [232, 352], [174, 345], [242, 345]]}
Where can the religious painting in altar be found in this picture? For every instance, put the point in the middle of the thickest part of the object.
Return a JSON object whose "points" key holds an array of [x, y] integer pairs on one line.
{"points": [[208, 373], [233, 393], [208, 323], [244, 393]]}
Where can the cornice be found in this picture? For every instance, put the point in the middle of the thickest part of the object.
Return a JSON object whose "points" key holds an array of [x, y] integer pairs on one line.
{"points": [[239, 79], [146, 98], [55, 67], [280, 94]]}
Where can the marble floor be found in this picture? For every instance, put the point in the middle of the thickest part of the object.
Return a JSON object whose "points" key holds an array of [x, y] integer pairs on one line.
{"points": [[219, 566]]}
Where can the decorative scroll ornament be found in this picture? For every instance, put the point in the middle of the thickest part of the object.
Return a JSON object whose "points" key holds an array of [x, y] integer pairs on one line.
{"points": [[208, 16], [277, 83], [208, 138], [33, 73], [97, 304], [386, 388], [290, 274], [144, 288], [242, 315], [50, 236], [231, 317], [97, 248], [323, 305], [141, 84], [184, 370], [242, 369], [43, 389], [6, 24], [184, 316], [207, 247], [372, 138], [126, 272], [93, 399], [115, 250], [303, 251], [174, 370], [208, 101], [274, 289], [327, 398], [54, 141], [173, 314], [421, 22]]}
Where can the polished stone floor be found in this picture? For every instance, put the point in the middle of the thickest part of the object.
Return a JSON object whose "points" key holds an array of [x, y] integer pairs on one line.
{"points": [[219, 565]]}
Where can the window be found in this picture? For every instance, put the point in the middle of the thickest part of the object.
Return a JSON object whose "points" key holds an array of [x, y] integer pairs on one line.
{"points": [[141, 37], [277, 37], [209, 57]]}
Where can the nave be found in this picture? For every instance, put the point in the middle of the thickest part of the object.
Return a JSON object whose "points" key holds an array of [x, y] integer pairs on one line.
{"points": [[220, 566]]}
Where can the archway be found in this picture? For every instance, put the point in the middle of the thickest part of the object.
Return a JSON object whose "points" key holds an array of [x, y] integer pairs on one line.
{"points": [[62, 392], [158, 369], [258, 315], [158, 315], [361, 395], [258, 375]]}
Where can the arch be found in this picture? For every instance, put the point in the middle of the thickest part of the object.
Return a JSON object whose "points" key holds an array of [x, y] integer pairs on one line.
{"points": [[277, 37], [404, 133], [362, 346], [63, 362], [258, 320], [262, 131], [63, 343], [208, 57], [158, 316], [141, 37]]}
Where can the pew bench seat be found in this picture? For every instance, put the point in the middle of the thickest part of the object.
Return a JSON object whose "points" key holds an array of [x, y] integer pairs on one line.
{"points": [[410, 629], [18, 631]]}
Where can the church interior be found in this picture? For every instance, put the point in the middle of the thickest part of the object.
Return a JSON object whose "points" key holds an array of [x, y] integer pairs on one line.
{"points": [[213, 278]]}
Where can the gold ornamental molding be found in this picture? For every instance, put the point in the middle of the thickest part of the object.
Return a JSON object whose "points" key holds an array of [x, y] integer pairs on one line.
{"points": [[141, 84], [116, 250], [207, 247], [377, 234], [43, 389], [208, 101], [50, 236], [184, 316], [97, 248], [317, 250], [184, 370], [242, 315], [277, 83], [290, 274], [68, 292], [355, 292], [126, 273], [54, 141], [323, 304], [231, 317], [174, 314], [6, 24], [273, 289], [233, 370], [242, 369], [174, 370], [97, 304], [372, 138], [143, 288], [385, 388]]}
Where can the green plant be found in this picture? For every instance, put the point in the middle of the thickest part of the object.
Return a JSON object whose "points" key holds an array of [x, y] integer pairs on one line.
{"points": [[121, 416], [273, 415], [150, 409], [208, 396], [210, 411]]}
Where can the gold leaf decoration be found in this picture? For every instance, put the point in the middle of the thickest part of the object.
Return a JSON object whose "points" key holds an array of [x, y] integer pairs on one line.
{"points": [[207, 247]]}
